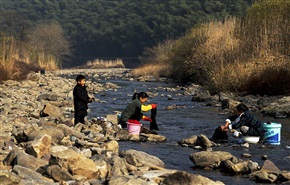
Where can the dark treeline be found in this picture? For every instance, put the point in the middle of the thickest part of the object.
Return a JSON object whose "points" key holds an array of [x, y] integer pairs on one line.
{"points": [[115, 28]]}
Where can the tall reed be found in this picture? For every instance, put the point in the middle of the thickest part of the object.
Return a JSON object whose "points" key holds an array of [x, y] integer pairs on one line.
{"points": [[101, 63], [15, 54]]}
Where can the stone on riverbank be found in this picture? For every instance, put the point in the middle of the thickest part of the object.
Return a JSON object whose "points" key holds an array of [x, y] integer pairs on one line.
{"points": [[138, 158], [207, 159], [40, 146], [182, 178], [73, 161], [197, 140]]}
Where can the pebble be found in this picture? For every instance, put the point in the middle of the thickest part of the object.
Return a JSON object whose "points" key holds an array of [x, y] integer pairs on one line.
{"points": [[246, 145], [246, 155], [264, 157]]}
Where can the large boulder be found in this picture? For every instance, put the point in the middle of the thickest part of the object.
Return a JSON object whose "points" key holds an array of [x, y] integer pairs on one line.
{"points": [[122, 135], [74, 162], [29, 161], [111, 146], [31, 176], [154, 137], [269, 173], [119, 167], [201, 95], [129, 180], [209, 159], [53, 111], [40, 146], [55, 133], [139, 158], [68, 131], [8, 178], [182, 178], [277, 108], [59, 174], [189, 141]]}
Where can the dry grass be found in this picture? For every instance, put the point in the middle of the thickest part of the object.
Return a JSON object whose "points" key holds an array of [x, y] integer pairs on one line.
{"points": [[17, 60], [157, 70], [251, 54], [99, 64]]}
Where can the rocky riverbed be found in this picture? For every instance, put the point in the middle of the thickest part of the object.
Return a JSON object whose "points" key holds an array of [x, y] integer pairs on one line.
{"points": [[40, 144]]}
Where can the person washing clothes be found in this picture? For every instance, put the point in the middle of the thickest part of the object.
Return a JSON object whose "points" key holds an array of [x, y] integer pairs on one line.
{"points": [[133, 111], [248, 124]]}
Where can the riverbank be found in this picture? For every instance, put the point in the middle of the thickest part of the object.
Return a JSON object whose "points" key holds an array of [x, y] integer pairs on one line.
{"points": [[56, 145]]}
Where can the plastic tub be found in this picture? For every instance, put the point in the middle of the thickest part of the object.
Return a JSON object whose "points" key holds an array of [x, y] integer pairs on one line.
{"points": [[251, 139], [134, 128], [273, 133]]}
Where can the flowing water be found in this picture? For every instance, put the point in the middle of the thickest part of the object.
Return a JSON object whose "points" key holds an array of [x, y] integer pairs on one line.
{"points": [[191, 119]]}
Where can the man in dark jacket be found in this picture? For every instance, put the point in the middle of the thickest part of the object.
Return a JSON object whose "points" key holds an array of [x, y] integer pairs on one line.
{"points": [[81, 99]]}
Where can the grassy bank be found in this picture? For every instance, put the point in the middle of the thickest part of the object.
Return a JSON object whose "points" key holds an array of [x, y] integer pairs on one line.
{"points": [[249, 54], [17, 59], [42, 46]]}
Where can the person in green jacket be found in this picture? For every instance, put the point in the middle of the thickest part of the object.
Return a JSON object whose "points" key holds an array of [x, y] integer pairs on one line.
{"points": [[133, 111]]}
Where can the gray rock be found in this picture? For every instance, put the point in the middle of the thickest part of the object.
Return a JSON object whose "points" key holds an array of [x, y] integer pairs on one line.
{"points": [[264, 157], [270, 167], [28, 161], [29, 174], [264, 177], [189, 141], [129, 180], [182, 178], [49, 97], [139, 158], [154, 137], [55, 133], [246, 155], [241, 168], [123, 135], [40, 146], [58, 174], [119, 167], [209, 159], [8, 178], [111, 146], [112, 118], [68, 131], [11, 156], [53, 111], [201, 95], [205, 142], [73, 161]]}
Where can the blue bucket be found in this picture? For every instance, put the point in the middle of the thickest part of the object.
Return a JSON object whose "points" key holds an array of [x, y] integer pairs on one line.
{"points": [[272, 133]]}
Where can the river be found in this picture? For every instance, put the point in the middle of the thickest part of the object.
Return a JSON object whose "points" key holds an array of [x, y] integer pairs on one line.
{"points": [[193, 119]]}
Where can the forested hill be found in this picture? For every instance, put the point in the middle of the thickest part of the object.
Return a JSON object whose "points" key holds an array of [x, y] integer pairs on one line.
{"points": [[117, 28]]}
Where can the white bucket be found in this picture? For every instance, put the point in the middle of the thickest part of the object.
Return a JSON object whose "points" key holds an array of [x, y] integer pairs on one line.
{"points": [[273, 133]]}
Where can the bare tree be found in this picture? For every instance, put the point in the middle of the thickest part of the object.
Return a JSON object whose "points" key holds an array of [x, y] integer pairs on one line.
{"points": [[50, 39]]}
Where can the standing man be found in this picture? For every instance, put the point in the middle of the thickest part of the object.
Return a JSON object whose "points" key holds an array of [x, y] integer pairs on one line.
{"points": [[81, 100]]}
